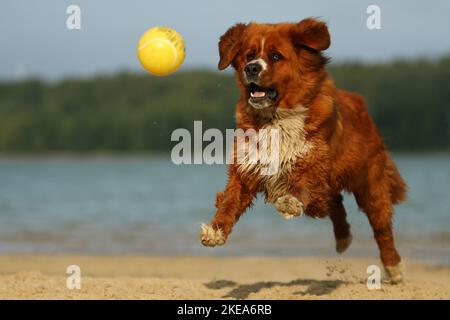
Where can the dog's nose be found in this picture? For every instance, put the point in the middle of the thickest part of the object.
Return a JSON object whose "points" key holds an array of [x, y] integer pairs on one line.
{"points": [[252, 69]]}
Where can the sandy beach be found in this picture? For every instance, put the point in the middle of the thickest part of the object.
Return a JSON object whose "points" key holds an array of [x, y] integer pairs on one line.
{"points": [[130, 277]]}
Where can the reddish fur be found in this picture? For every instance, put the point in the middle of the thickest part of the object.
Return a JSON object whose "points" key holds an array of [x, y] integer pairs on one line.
{"points": [[348, 154]]}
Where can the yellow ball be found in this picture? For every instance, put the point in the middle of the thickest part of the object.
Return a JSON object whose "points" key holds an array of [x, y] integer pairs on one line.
{"points": [[161, 51]]}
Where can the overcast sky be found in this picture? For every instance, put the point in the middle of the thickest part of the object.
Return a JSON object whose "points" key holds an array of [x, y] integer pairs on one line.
{"points": [[34, 39]]}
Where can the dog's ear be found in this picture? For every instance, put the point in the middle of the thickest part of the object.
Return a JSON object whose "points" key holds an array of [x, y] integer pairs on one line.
{"points": [[311, 33], [229, 44]]}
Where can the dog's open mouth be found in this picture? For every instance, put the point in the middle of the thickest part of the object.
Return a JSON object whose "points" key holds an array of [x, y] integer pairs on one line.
{"points": [[260, 97]]}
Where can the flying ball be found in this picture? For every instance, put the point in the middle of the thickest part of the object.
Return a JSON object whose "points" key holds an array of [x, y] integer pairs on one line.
{"points": [[161, 51]]}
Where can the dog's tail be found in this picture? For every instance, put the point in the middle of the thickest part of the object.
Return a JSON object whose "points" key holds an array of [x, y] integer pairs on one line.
{"points": [[398, 187]]}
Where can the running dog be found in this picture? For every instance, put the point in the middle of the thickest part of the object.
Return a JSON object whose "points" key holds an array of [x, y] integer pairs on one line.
{"points": [[328, 141]]}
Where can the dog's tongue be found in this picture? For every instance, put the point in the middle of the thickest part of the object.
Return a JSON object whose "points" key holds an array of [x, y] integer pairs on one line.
{"points": [[258, 94]]}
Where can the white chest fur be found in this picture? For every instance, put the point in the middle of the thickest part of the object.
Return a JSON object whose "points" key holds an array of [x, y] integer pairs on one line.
{"points": [[291, 145]]}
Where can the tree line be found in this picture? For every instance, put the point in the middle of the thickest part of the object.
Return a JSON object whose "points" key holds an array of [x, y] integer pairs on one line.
{"points": [[134, 112]]}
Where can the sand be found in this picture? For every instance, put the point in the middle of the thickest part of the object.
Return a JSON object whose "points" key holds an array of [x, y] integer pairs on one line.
{"points": [[130, 277]]}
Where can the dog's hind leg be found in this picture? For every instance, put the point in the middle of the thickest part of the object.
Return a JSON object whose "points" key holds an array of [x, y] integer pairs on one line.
{"points": [[375, 200], [341, 227]]}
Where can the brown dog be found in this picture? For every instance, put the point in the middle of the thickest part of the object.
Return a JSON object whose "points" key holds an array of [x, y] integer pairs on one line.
{"points": [[329, 143]]}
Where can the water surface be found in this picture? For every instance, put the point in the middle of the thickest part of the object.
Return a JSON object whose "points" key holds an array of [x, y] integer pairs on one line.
{"points": [[147, 205]]}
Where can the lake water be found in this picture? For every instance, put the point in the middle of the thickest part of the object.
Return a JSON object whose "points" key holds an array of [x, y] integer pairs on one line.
{"points": [[147, 205]]}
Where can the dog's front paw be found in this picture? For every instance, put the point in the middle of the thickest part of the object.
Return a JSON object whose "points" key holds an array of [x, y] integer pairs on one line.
{"points": [[289, 206], [211, 237], [395, 273]]}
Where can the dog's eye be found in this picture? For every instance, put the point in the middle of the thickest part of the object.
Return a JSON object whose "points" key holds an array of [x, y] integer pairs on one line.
{"points": [[275, 56], [250, 56]]}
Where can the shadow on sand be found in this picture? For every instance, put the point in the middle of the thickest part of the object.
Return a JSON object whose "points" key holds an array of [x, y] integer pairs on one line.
{"points": [[242, 291]]}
